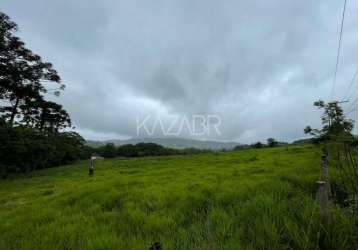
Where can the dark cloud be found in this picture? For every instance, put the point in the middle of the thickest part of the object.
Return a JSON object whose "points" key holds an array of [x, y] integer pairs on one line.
{"points": [[259, 65]]}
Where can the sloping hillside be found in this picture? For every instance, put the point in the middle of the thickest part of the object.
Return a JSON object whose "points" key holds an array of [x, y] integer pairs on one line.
{"points": [[251, 199]]}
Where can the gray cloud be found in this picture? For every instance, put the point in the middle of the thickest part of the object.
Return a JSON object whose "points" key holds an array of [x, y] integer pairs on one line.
{"points": [[258, 64]]}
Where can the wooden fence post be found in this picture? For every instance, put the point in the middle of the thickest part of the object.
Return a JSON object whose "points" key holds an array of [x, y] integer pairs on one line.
{"points": [[324, 194], [323, 200], [324, 169], [91, 167]]}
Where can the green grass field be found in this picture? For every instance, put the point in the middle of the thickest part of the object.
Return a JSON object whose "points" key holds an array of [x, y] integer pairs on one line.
{"points": [[250, 199]]}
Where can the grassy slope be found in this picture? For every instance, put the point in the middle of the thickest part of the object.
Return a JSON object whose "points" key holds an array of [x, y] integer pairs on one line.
{"points": [[249, 199]]}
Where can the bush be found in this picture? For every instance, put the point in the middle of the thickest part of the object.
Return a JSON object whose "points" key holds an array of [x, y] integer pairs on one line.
{"points": [[25, 149]]}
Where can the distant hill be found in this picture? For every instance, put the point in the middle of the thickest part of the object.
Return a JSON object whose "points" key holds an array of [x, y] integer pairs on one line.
{"points": [[170, 142]]}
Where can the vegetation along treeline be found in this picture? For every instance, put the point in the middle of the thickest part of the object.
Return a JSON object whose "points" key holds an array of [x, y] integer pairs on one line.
{"points": [[33, 130], [143, 149]]}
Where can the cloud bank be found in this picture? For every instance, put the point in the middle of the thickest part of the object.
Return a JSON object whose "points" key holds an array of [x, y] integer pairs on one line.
{"points": [[257, 64]]}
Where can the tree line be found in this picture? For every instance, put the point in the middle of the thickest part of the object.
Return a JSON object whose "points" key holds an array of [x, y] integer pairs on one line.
{"points": [[110, 150], [34, 131], [270, 143]]}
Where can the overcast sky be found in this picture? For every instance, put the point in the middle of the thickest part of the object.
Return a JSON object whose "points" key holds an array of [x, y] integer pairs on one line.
{"points": [[259, 65]]}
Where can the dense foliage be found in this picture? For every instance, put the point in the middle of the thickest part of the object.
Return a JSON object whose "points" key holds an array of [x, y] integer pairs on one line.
{"points": [[32, 129], [335, 126], [271, 142], [25, 149], [142, 149]]}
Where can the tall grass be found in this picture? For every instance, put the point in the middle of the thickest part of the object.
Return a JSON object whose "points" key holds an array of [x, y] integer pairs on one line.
{"points": [[250, 199]]}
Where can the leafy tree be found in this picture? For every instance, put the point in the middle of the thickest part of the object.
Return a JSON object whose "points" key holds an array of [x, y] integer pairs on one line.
{"points": [[335, 126], [22, 73], [271, 142], [46, 116], [258, 145], [37, 140]]}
